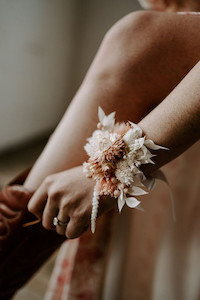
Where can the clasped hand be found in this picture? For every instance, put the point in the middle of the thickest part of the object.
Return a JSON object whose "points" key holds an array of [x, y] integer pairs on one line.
{"points": [[68, 196]]}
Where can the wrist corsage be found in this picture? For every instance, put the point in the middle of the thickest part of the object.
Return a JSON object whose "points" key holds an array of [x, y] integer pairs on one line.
{"points": [[116, 152]]}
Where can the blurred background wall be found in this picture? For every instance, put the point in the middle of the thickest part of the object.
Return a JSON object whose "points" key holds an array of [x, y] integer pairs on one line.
{"points": [[46, 47]]}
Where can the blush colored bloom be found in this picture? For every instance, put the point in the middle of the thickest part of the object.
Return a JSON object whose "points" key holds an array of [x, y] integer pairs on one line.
{"points": [[116, 152]]}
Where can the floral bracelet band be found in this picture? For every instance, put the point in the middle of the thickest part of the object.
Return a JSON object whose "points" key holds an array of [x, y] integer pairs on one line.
{"points": [[116, 152]]}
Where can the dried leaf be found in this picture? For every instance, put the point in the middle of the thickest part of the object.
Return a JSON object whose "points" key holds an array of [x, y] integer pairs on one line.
{"points": [[151, 145], [132, 202], [136, 191], [109, 121], [137, 128], [101, 114], [121, 201]]}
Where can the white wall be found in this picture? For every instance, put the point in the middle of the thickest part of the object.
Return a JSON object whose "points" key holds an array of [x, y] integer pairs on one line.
{"points": [[35, 47], [46, 47]]}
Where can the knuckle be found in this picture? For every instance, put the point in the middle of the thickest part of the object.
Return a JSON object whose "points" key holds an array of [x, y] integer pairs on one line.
{"points": [[55, 196], [48, 180], [64, 205]]}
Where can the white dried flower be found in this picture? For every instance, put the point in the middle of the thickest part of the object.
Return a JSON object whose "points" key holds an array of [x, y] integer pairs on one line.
{"points": [[107, 122], [116, 153], [123, 172]]}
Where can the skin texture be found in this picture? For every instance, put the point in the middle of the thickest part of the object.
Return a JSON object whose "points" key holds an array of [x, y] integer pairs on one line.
{"points": [[68, 201], [142, 51]]}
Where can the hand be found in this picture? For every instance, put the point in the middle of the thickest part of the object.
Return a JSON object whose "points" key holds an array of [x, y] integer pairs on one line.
{"points": [[67, 195]]}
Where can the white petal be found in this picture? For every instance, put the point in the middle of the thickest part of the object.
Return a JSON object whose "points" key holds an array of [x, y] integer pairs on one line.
{"points": [[101, 114], [141, 142], [145, 150], [129, 136], [137, 128], [151, 145], [132, 202], [136, 191], [150, 161], [109, 121], [121, 203]]}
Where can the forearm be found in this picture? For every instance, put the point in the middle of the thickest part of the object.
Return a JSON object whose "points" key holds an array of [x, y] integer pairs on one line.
{"points": [[132, 72], [175, 123]]}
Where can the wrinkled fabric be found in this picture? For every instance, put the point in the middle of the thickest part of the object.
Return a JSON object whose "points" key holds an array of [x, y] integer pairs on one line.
{"points": [[80, 266]]}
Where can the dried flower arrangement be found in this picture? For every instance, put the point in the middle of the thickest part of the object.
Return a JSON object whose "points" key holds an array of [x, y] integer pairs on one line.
{"points": [[116, 152]]}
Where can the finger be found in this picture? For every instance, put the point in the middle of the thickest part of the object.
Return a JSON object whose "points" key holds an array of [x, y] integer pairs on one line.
{"points": [[38, 201], [63, 217], [50, 211], [75, 229]]}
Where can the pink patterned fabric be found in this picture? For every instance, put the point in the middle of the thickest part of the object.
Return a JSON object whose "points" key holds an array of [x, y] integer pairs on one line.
{"points": [[79, 269]]}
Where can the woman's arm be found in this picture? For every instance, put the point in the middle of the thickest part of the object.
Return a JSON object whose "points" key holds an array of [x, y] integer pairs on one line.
{"points": [[175, 123], [141, 59]]}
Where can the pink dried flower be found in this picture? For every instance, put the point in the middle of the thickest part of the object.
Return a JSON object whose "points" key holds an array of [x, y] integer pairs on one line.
{"points": [[116, 152]]}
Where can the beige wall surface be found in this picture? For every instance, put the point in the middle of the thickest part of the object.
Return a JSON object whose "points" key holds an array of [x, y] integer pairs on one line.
{"points": [[46, 47]]}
